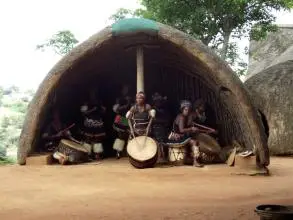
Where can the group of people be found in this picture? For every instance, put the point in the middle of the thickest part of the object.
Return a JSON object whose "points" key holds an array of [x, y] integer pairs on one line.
{"points": [[133, 118]]}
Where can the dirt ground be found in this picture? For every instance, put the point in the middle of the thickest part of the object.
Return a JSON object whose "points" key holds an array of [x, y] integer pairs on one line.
{"points": [[115, 190]]}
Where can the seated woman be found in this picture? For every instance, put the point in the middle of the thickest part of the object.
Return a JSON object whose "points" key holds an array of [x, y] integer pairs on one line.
{"points": [[92, 129], [120, 124], [183, 129], [139, 115]]}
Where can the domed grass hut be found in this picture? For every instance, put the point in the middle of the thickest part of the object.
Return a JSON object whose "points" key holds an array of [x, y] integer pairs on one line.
{"points": [[174, 64], [272, 93]]}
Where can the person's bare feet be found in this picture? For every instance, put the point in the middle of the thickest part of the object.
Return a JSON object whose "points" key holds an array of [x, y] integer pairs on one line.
{"points": [[197, 164]]}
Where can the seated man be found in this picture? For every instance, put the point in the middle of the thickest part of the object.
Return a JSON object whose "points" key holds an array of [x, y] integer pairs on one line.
{"points": [[52, 136], [140, 115], [183, 130], [120, 124], [54, 132], [205, 136], [92, 129], [161, 124]]}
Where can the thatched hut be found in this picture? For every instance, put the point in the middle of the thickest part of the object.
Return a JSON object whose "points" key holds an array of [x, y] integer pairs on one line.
{"points": [[175, 64], [272, 93]]}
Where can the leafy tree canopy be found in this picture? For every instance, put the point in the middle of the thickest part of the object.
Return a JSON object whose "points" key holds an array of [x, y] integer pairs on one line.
{"points": [[214, 22], [61, 42]]}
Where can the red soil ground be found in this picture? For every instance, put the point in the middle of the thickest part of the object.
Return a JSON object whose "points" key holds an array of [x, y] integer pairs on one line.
{"points": [[115, 190]]}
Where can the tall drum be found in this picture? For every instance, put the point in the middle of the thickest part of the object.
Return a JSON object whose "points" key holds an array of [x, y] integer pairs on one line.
{"points": [[142, 152]]}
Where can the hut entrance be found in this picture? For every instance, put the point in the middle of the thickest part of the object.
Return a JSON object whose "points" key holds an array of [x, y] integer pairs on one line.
{"points": [[168, 69]]}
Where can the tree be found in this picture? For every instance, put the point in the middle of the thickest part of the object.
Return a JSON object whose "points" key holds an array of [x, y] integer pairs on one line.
{"points": [[62, 42], [214, 22], [1, 95]]}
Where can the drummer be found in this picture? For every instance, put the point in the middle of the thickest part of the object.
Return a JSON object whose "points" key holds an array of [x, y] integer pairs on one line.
{"points": [[183, 129], [199, 118], [120, 124], [161, 123], [54, 132], [199, 115], [140, 115], [93, 130]]}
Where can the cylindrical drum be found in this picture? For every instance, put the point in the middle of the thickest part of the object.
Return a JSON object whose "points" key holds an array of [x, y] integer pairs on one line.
{"points": [[142, 152], [74, 152]]}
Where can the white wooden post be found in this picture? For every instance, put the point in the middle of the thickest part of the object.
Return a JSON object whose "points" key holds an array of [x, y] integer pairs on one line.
{"points": [[140, 69]]}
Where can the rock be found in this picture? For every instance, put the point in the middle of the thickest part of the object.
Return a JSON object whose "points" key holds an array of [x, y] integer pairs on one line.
{"points": [[275, 49], [272, 93]]}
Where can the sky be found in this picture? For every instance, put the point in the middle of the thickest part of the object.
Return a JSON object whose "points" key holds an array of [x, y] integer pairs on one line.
{"points": [[24, 24]]}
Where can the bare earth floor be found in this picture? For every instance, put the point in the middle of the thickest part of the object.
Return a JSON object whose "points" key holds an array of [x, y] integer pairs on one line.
{"points": [[115, 190]]}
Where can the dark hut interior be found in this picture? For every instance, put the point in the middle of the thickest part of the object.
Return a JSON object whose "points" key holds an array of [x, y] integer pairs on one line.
{"points": [[168, 70]]}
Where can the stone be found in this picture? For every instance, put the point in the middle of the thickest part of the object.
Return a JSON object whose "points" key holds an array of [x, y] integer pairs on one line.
{"points": [[40, 159]]}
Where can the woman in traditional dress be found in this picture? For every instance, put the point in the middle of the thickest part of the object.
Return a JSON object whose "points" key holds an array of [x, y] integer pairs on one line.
{"points": [[93, 129], [120, 125], [140, 115], [183, 130]]}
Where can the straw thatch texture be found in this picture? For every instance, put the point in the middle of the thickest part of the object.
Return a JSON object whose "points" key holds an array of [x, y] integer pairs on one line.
{"points": [[184, 66], [272, 91]]}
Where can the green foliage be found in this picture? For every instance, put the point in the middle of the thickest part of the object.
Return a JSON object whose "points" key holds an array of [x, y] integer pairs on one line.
{"points": [[62, 42], [214, 22], [12, 114]]}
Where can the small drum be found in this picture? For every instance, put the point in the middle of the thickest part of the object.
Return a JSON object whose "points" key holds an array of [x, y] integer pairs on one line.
{"points": [[142, 152], [72, 151], [177, 154]]}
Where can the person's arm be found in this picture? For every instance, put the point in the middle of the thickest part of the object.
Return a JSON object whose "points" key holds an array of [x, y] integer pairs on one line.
{"points": [[151, 111], [181, 126], [130, 113]]}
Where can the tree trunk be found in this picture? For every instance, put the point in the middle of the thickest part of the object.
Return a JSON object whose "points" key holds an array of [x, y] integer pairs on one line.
{"points": [[224, 49]]}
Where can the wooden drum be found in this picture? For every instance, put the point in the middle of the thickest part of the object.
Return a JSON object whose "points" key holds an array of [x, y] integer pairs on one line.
{"points": [[142, 152], [209, 147], [177, 154], [72, 151]]}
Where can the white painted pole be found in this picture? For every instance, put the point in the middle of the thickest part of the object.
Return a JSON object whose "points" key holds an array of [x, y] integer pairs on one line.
{"points": [[140, 69]]}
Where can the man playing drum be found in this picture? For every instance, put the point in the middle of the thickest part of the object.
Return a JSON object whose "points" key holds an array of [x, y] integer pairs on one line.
{"points": [[183, 130], [120, 125], [205, 136], [54, 132], [93, 130], [140, 115], [55, 135]]}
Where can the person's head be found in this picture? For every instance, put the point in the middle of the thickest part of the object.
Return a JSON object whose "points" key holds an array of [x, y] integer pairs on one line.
{"points": [[185, 107], [140, 98], [158, 99], [125, 89], [199, 106]]}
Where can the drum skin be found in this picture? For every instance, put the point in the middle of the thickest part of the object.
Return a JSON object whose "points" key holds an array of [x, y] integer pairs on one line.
{"points": [[142, 152]]}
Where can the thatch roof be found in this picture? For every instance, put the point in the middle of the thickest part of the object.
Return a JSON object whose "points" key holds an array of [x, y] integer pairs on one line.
{"points": [[272, 92], [182, 66]]}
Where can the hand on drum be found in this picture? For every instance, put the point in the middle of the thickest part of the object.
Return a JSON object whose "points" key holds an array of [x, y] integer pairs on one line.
{"points": [[194, 129]]}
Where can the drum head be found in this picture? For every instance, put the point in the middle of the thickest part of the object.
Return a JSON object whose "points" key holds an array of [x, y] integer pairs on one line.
{"points": [[208, 144], [73, 145], [142, 148]]}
